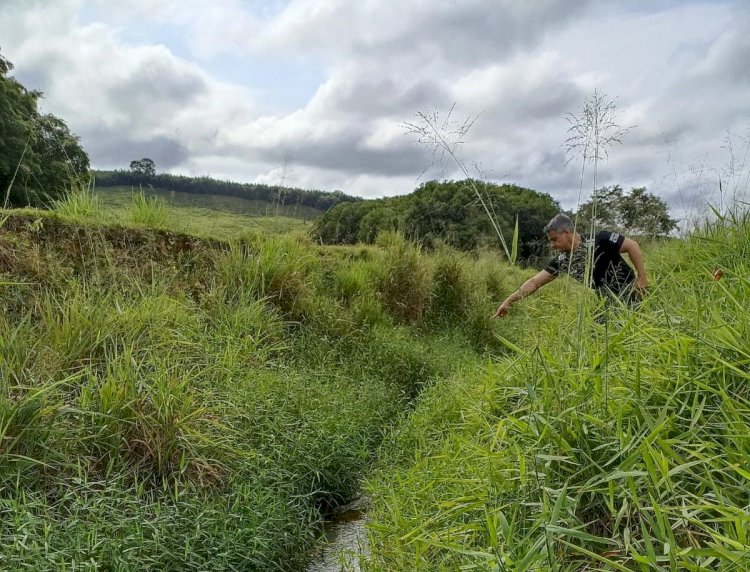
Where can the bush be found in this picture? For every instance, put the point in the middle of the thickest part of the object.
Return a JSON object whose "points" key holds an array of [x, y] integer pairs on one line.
{"points": [[404, 280], [451, 287]]}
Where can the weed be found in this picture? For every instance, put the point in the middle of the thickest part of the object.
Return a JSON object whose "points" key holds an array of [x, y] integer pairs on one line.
{"points": [[534, 463], [79, 204], [404, 278], [150, 212]]}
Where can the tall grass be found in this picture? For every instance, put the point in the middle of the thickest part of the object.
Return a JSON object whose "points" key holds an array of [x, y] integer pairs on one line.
{"points": [[150, 212], [200, 411], [209, 216], [621, 446], [280, 270], [80, 203], [404, 279]]}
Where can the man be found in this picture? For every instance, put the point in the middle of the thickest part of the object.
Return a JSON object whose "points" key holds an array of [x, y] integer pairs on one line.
{"points": [[609, 275]]}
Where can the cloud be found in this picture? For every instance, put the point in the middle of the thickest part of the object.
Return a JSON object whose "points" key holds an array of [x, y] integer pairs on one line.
{"points": [[112, 150], [458, 32], [171, 81], [125, 101], [726, 59]]}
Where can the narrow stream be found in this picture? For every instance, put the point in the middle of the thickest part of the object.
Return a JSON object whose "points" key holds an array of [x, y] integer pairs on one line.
{"points": [[344, 540]]}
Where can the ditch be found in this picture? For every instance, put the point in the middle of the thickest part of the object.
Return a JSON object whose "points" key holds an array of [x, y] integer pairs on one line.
{"points": [[343, 541]]}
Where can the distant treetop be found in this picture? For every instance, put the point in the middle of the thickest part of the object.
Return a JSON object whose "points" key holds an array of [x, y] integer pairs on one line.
{"points": [[143, 166]]}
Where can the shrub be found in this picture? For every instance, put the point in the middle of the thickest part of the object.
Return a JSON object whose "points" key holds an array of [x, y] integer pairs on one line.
{"points": [[404, 279], [451, 288]]}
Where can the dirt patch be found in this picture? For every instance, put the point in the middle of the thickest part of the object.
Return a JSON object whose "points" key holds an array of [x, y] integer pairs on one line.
{"points": [[156, 245], [44, 250]]}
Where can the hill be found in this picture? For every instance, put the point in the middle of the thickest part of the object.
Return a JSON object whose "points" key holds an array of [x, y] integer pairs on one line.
{"points": [[272, 194], [447, 212], [209, 216], [453, 213]]}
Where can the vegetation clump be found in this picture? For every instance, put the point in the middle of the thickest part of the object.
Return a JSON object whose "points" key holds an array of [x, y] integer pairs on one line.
{"points": [[199, 404], [614, 445], [447, 212]]}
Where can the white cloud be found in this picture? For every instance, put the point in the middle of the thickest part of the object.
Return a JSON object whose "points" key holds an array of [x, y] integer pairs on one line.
{"points": [[121, 97], [135, 79], [461, 32]]}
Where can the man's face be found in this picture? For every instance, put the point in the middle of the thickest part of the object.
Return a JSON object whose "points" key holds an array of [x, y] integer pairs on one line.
{"points": [[560, 241]]}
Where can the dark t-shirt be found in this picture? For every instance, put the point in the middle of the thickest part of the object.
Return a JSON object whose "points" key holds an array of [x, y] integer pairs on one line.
{"points": [[610, 272]]}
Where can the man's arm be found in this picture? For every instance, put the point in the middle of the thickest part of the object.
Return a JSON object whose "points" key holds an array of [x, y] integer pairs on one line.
{"points": [[527, 288], [631, 248]]}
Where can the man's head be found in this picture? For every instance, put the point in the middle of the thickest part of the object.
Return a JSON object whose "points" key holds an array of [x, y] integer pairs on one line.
{"points": [[561, 233]]}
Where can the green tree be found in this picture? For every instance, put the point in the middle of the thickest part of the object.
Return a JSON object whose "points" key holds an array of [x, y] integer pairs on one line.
{"points": [[447, 212], [40, 159], [602, 210], [145, 167], [646, 214], [636, 213], [375, 221], [60, 154]]}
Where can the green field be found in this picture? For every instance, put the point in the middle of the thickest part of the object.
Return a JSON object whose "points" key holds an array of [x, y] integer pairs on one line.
{"points": [[208, 215], [170, 402]]}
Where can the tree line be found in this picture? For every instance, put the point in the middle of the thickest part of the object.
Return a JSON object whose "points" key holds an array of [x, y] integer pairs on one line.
{"points": [[142, 172], [40, 159], [449, 212]]}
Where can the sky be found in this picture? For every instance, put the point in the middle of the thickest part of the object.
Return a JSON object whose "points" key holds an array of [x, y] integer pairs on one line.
{"points": [[319, 94]]}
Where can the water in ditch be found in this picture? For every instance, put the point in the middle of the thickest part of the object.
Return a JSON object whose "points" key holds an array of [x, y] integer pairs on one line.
{"points": [[344, 541]]}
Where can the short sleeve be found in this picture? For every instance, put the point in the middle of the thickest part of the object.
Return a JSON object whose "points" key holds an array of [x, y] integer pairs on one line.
{"points": [[553, 266], [609, 241]]}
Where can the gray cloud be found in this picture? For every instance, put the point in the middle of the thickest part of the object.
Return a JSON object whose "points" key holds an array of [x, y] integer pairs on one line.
{"points": [[518, 67], [375, 95], [153, 93], [726, 61], [471, 32], [348, 156], [156, 83], [112, 150], [348, 152]]}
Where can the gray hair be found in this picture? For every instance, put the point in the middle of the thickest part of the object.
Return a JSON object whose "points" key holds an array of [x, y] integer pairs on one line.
{"points": [[559, 223]]}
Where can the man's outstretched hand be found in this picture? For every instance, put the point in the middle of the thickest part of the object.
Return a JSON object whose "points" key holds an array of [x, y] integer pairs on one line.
{"points": [[502, 311]]}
